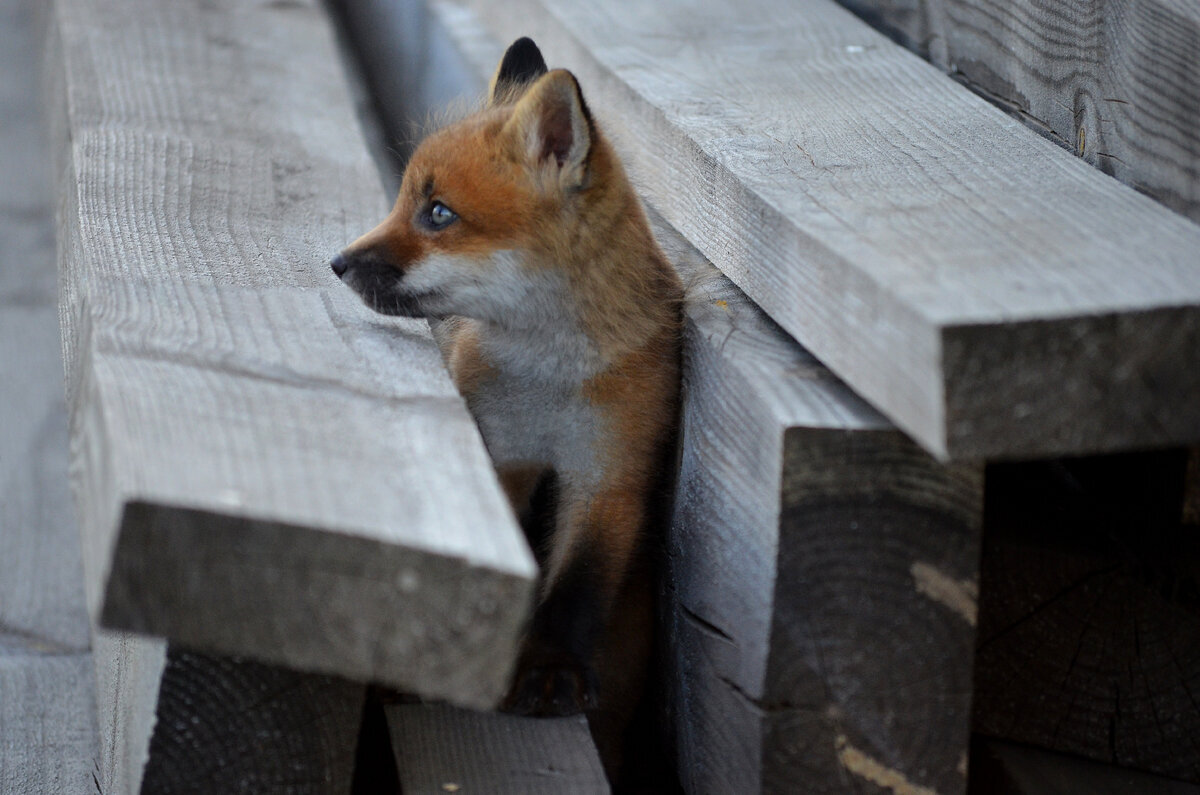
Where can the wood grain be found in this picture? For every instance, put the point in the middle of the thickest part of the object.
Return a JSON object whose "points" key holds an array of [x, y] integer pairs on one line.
{"points": [[47, 722], [824, 571], [175, 721], [48, 729], [1089, 629], [1114, 82], [244, 432], [442, 749], [971, 280], [1000, 768]]}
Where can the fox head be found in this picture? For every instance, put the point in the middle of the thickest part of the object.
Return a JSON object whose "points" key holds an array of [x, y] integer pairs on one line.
{"points": [[489, 207]]}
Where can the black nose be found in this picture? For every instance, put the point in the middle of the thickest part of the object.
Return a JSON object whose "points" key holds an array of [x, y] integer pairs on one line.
{"points": [[339, 265]]}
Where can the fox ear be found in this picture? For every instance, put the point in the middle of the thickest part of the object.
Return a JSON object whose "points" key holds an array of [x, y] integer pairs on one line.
{"points": [[521, 65], [553, 124]]}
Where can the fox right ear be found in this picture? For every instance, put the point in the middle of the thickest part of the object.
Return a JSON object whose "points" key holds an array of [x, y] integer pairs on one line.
{"points": [[521, 65]]}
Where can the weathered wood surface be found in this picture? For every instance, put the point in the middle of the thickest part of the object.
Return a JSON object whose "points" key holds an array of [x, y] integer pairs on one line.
{"points": [[263, 467], [1114, 82], [47, 721], [442, 749], [175, 721], [988, 292], [824, 570], [999, 768], [1089, 628], [48, 733]]}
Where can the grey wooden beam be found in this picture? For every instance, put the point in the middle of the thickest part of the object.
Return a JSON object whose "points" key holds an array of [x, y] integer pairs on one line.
{"points": [[47, 720], [991, 294], [442, 749], [1115, 84], [824, 572], [263, 467], [174, 721], [48, 730]]}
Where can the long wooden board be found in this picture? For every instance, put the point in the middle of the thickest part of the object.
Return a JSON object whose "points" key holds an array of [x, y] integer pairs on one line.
{"points": [[442, 749], [1115, 83], [48, 730], [991, 294], [263, 467]]}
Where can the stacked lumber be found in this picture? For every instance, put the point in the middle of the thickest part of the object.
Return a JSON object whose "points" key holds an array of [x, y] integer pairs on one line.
{"points": [[280, 494]]}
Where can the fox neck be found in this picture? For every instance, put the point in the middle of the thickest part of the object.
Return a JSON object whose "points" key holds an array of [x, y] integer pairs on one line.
{"points": [[590, 315]]}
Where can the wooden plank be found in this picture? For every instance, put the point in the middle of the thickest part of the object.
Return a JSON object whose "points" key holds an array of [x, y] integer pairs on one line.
{"points": [[1089, 636], [971, 280], [244, 431], [174, 721], [824, 572], [999, 768], [1115, 83], [47, 721], [48, 732], [442, 749]]}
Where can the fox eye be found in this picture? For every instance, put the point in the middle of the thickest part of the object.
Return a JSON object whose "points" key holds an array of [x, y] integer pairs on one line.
{"points": [[441, 216]]}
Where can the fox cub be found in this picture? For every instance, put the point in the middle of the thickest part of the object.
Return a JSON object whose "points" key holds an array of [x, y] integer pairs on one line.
{"points": [[519, 228]]}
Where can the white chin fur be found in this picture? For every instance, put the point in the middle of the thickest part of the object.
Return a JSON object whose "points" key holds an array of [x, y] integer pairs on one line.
{"points": [[498, 289]]}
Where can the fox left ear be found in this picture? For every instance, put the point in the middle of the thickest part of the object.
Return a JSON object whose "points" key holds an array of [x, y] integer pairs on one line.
{"points": [[521, 65], [554, 125]]}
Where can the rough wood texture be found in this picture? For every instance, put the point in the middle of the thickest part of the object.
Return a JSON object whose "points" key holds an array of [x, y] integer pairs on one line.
{"points": [[1089, 629], [175, 721], [47, 722], [999, 768], [48, 733], [825, 575], [1113, 82], [244, 431], [991, 294], [442, 749]]}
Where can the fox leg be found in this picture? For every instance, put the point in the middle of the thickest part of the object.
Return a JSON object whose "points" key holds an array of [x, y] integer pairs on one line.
{"points": [[591, 555]]}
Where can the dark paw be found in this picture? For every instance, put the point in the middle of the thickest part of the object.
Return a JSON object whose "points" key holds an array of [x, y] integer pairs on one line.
{"points": [[552, 689]]}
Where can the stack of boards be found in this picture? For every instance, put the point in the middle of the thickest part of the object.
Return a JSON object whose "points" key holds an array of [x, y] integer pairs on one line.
{"points": [[281, 496]]}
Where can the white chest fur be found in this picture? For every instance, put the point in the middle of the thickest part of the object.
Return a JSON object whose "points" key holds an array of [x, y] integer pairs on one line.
{"points": [[532, 409]]}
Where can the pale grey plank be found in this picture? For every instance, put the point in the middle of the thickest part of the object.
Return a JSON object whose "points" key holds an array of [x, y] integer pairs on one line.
{"points": [[47, 723], [442, 749], [41, 580], [244, 431], [1115, 83], [991, 294], [48, 731], [27, 273]]}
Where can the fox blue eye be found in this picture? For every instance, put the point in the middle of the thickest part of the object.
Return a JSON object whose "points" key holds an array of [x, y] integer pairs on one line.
{"points": [[440, 215]]}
